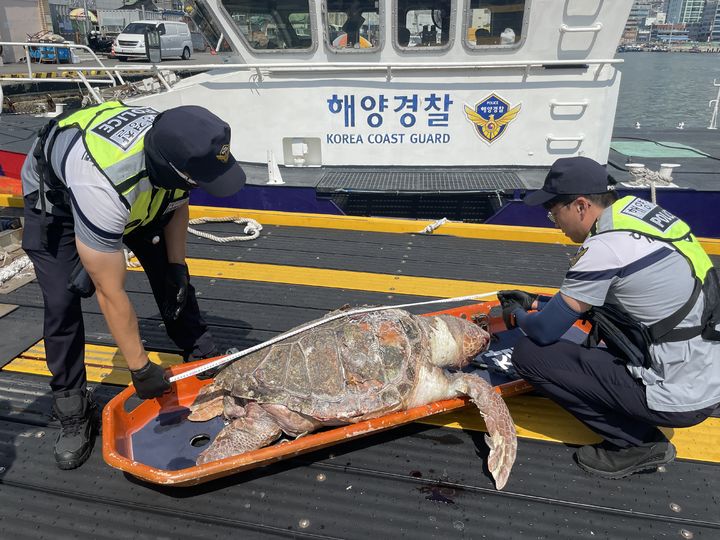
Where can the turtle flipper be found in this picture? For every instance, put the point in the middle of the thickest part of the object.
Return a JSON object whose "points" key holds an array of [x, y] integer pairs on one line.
{"points": [[501, 436], [208, 403], [254, 430]]}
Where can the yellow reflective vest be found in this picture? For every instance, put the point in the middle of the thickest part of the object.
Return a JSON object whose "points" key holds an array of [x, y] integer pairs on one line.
{"points": [[627, 337], [648, 219], [114, 138]]}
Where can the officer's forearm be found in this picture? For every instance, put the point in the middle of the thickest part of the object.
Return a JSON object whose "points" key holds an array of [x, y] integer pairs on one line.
{"points": [[123, 324], [176, 235]]}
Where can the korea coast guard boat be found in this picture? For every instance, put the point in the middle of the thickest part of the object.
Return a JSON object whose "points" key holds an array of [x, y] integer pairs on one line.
{"points": [[346, 114]]}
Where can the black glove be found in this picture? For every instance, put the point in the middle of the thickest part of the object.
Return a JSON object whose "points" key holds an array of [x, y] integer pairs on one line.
{"points": [[149, 381], [176, 289], [523, 299], [512, 300]]}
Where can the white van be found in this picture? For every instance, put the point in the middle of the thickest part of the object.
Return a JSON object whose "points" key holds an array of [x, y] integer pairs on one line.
{"points": [[175, 40]]}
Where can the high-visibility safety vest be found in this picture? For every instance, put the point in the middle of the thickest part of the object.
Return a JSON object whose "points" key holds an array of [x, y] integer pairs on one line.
{"points": [[627, 337], [114, 138], [642, 217]]}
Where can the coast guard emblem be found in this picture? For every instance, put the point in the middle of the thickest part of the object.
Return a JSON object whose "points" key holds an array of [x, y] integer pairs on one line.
{"points": [[224, 154], [491, 117]]}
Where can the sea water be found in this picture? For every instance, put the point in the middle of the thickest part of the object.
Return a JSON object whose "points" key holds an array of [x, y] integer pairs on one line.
{"points": [[660, 90]]}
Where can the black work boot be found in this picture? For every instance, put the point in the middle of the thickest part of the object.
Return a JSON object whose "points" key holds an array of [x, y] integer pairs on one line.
{"points": [[189, 356], [78, 415], [609, 461]]}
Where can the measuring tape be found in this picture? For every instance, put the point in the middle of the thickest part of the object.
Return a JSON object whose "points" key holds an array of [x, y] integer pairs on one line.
{"points": [[296, 331]]}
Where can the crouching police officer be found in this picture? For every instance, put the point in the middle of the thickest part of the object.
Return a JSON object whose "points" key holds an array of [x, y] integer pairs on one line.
{"points": [[650, 291], [96, 178]]}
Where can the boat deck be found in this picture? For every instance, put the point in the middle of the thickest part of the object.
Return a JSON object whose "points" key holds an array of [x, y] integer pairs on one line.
{"points": [[424, 480]]}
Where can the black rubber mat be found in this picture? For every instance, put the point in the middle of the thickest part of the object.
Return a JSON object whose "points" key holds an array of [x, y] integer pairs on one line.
{"points": [[412, 482], [17, 335], [434, 255]]}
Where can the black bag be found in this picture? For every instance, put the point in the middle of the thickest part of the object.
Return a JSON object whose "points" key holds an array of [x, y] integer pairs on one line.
{"points": [[711, 312], [79, 281], [624, 337]]}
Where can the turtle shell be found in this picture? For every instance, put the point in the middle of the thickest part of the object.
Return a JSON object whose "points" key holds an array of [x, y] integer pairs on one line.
{"points": [[343, 370]]}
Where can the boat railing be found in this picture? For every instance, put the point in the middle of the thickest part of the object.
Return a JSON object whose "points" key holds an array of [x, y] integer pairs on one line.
{"points": [[262, 70], [113, 76], [714, 104]]}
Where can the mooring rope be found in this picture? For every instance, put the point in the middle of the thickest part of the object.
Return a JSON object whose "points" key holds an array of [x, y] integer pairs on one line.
{"points": [[14, 268], [646, 177], [251, 232], [252, 229]]}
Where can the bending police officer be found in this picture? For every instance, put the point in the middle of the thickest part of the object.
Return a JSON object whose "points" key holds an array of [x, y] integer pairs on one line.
{"points": [[648, 288], [96, 178]]}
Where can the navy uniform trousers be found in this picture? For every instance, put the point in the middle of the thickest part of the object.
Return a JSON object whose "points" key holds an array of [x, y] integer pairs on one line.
{"points": [[596, 388], [63, 329]]}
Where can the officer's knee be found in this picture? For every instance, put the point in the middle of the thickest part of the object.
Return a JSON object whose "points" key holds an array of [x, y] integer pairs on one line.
{"points": [[525, 355], [62, 303]]}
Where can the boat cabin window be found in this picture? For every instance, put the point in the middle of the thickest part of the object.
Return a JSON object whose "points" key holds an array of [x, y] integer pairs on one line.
{"points": [[353, 25], [424, 23], [494, 23], [272, 24]]}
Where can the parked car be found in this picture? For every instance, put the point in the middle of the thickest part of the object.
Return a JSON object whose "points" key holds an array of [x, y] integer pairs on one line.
{"points": [[175, 40]]}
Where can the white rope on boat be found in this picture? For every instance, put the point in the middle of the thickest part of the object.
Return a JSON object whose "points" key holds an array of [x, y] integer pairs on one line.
{"points": [[433, 226], [251, 230], [311, 325], [14, 268], [644, 177]]}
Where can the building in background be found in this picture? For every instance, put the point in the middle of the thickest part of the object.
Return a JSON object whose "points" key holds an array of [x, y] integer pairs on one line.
{"points": [[685, 11], [669, 33], [18, 19], [709, 25]]}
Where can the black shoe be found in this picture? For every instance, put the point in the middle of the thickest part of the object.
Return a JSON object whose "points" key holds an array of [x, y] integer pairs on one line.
{"points": [[78, 415], [612, 462], [209, 373]]}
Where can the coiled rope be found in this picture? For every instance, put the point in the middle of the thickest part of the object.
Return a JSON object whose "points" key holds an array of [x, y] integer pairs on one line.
{"points": [[646, 177], [14, 268], [252, 229], [251, 232]]}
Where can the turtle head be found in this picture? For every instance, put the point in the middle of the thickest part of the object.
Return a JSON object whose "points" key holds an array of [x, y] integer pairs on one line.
{"points": [[455, 341]]}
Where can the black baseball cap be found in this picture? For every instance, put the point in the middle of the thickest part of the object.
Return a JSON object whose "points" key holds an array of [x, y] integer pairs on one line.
{"points": [[572, 176], [196, 145]]}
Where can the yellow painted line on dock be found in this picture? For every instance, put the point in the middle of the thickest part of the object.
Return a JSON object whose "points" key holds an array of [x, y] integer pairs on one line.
{"points": [[386, 225], [535, 417], [507, 233], [540, 419], [104, 364], [345, 279], [11, 201]]}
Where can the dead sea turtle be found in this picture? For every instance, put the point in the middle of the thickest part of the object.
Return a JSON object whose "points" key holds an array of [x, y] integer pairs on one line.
{"points": [[352, 369]]}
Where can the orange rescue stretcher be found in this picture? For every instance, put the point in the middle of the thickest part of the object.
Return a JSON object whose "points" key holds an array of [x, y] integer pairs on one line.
{"points": [[155, 442]]}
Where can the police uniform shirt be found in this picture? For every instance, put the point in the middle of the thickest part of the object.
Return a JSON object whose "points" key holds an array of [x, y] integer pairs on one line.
{"points": [[650, 280], [99, 214]]}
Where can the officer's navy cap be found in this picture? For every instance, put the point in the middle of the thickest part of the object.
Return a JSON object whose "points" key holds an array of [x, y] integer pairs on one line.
{"points": [[196, 143], [572, 176]]}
